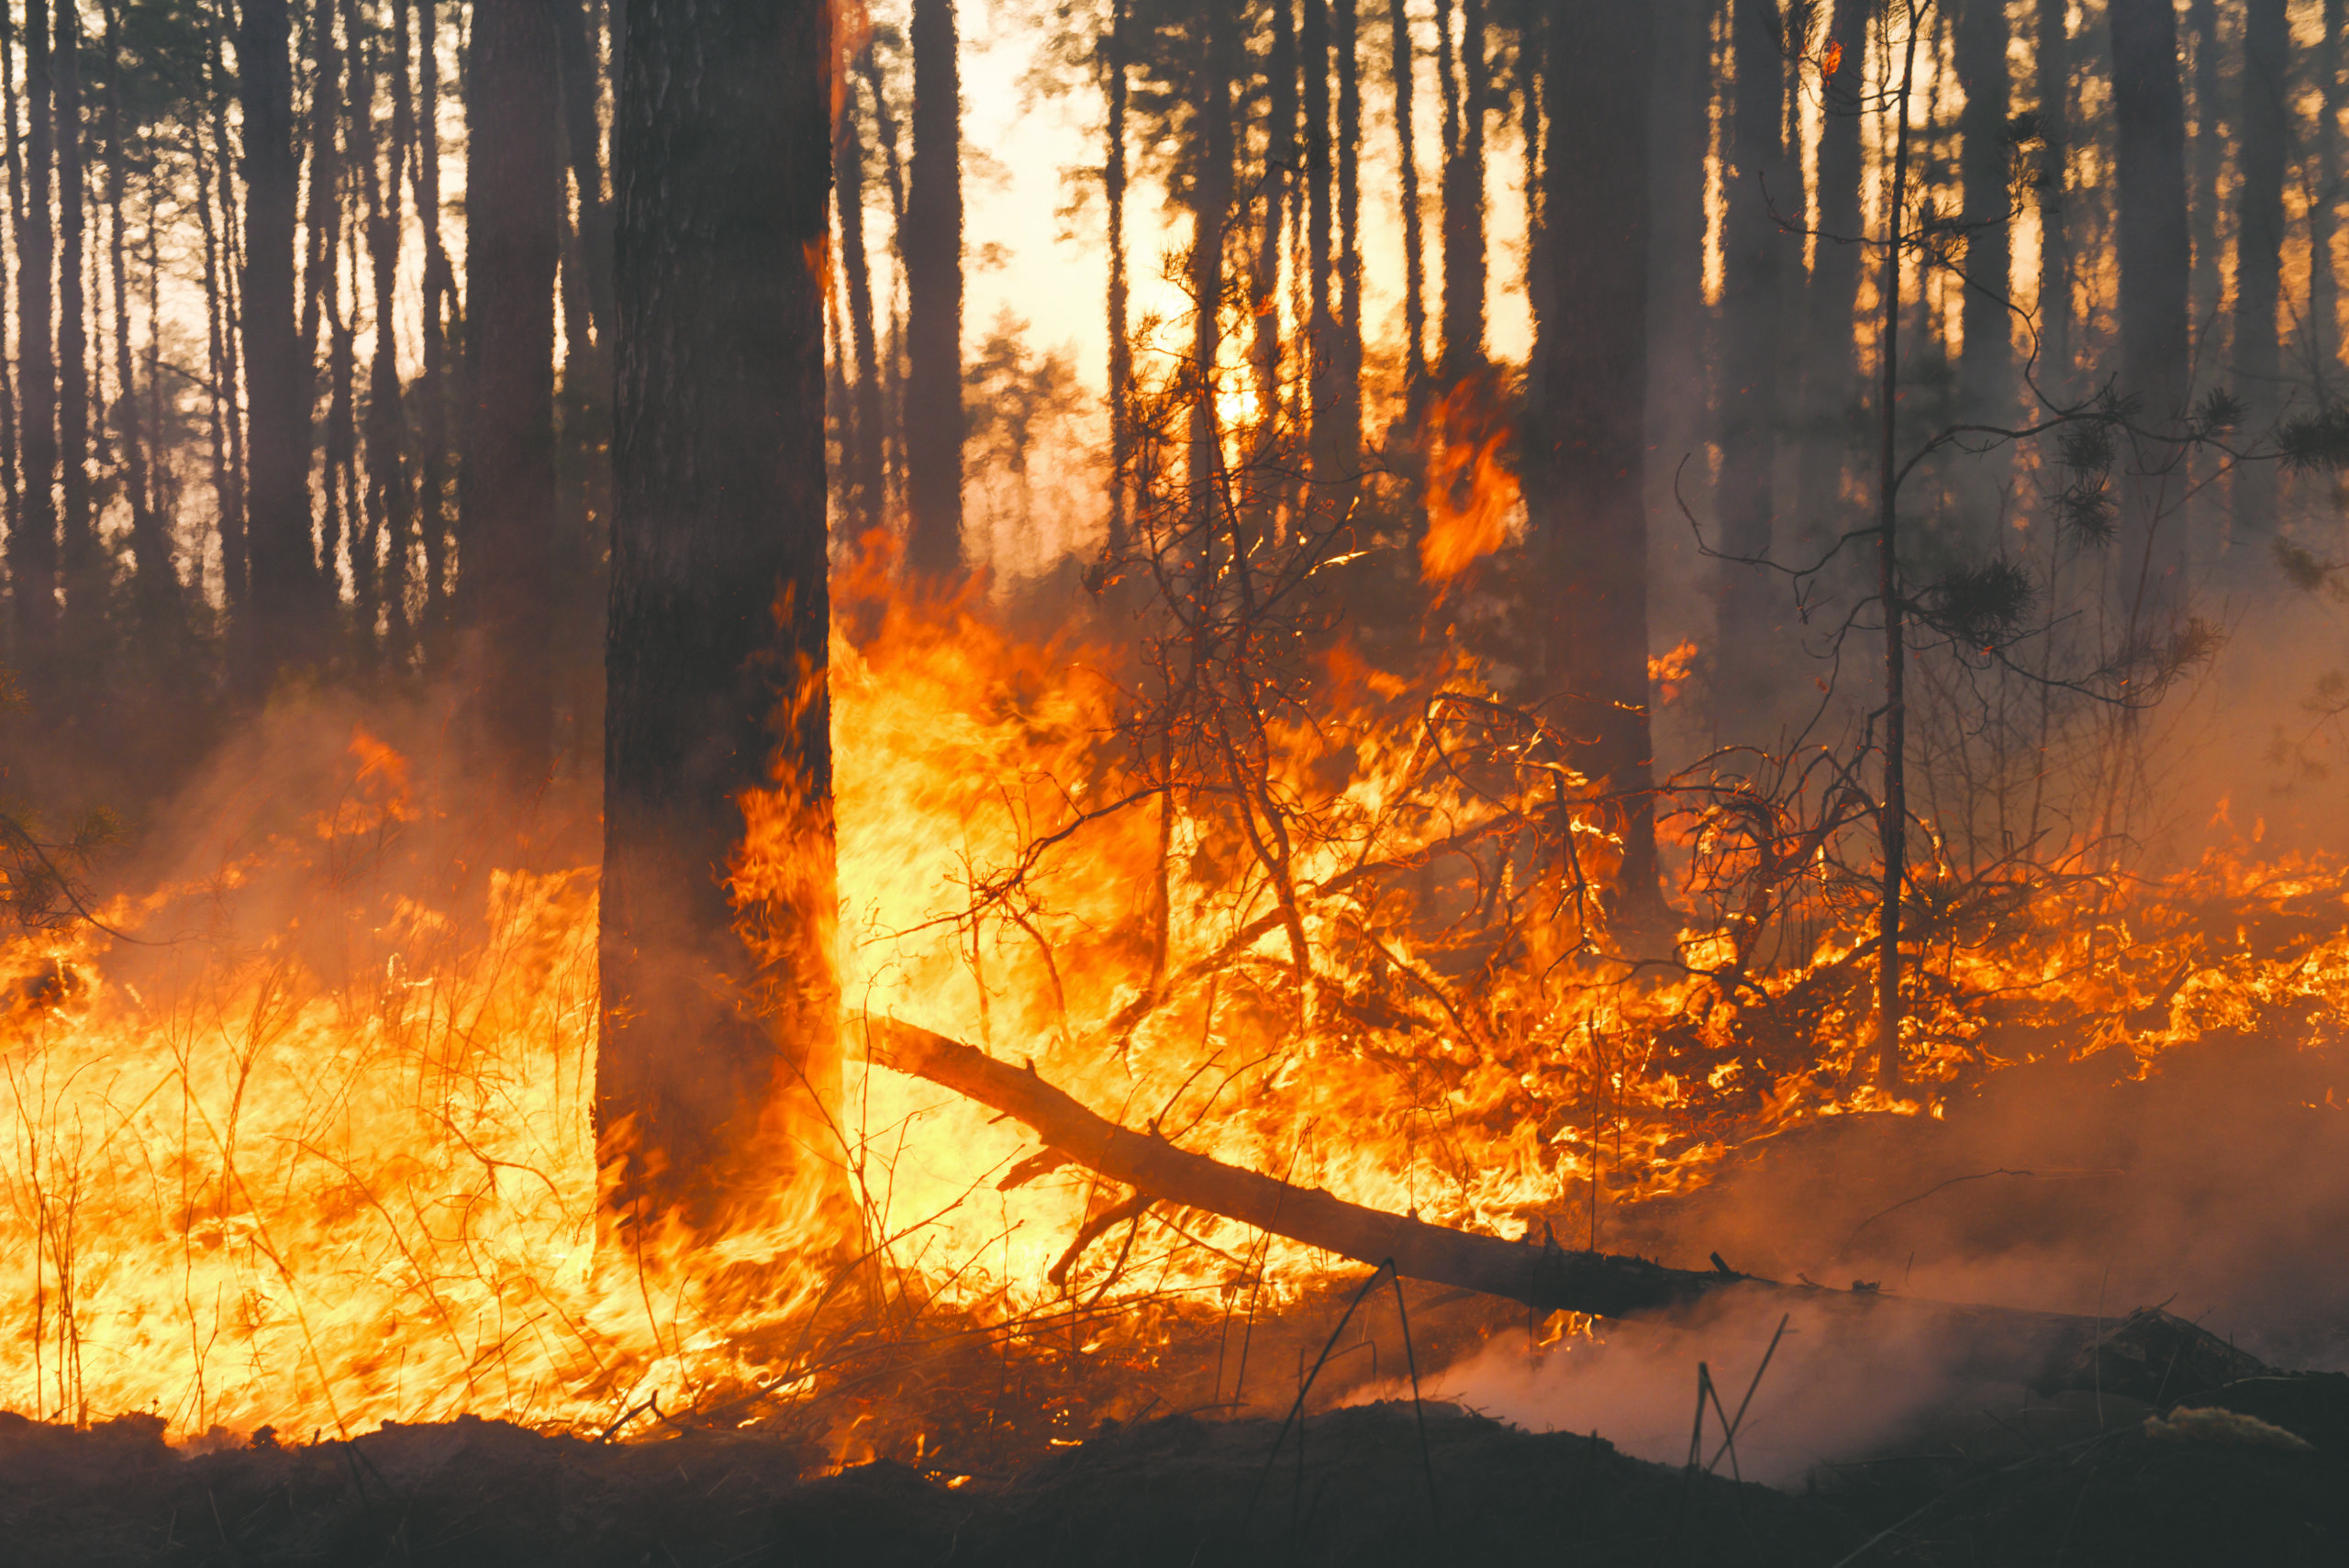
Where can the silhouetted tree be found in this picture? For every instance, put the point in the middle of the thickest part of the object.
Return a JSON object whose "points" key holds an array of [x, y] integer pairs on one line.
{"points": [[931, 246], [719, 615]]}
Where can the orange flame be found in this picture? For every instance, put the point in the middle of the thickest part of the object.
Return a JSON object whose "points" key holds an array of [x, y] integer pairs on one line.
{"points": [[1471, 496]]}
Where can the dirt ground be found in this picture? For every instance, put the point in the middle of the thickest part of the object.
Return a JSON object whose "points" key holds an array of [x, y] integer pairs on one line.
{"points": [[1364, 1487]]}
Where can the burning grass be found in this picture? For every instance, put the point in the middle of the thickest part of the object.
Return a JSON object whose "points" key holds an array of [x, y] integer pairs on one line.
{"points": [[300, 1136]]}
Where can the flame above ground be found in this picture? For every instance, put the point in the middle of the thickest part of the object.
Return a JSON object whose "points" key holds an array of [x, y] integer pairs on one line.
{"points": [[308, 1144]]}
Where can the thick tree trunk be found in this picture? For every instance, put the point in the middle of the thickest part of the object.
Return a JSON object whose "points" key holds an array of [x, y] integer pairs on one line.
{"points": [[1679, 147], [32, 535], [714, 1015], [2053, 309], [1589, 385], [1753, 600], [864, 452], [2259, 257], [83, 634], [932, 248], [1980, 50], [284, 578], [2147, 1355], [2154, 253], [507, 487]]}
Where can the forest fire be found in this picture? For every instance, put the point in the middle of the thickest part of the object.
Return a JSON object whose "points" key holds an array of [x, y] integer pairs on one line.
{"points": [[319, 1157], [1156, 782]]}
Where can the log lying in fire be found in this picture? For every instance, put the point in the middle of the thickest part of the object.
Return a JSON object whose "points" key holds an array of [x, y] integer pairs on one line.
{"points": [[2150, 1354]]}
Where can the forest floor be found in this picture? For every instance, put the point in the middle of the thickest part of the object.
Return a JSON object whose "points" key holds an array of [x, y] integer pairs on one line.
{"points": [[1367, 1488]]}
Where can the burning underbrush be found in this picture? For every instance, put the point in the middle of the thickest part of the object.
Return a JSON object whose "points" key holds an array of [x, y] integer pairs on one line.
{"points": [[299, 1136]]}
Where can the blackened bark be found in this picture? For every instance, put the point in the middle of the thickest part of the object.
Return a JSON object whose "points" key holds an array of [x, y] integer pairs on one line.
{"points": [[1402, 64], [1589, 515], [284, 579], [1122, 353], [864, 451], [2259, 250], [2154, 251], [506, 486], [32, 535], [1463, 208], [719, 611], [933, 247], [1680, 140], [2055, 307], [84, 629], [1753, 602], [1980, 50]]}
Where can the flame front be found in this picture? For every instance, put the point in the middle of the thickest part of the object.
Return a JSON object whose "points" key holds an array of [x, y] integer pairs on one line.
{"points": [[309, 1144]]}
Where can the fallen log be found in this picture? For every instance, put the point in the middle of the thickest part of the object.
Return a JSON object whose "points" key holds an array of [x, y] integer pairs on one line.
{"points": [[2150, 1354]]}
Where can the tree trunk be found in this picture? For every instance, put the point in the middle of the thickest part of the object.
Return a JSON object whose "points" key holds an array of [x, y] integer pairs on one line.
{"points": [[1402, 63], [1980, 50], [2208, 155], [932, 248], [277, 381], [2054, 371], [382, 623], [506, 486], [2324, 282], [1589, 385], [1344, 444], [719, 612], [582, 142], [11, 496], [865, 457], [1747, 657], [1832, 303], [1463, 208], [2259, 257], [1121, 352], [440, 302], [1321, 243], [156, 584], [1210, 211], [32, 536], [2154, 251], [218, 216], [83, 634], [1680, 138], [2148, 1355]]}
